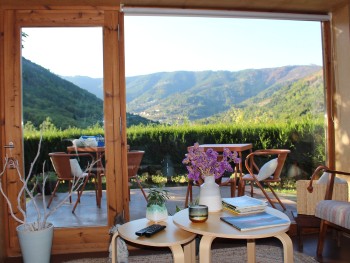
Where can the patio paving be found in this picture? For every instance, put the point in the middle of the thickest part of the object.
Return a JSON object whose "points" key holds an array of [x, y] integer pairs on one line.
{"points": [[178, 195], [88, 214]]}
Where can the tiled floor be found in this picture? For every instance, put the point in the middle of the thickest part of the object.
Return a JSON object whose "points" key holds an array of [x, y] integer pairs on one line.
{"points": [[88, 214]]}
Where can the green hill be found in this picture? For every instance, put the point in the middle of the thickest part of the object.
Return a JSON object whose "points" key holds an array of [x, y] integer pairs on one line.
{"points": [[288, 101], [92, 85], [288, 92], [48, 95], [172, 97], [291, 101]]}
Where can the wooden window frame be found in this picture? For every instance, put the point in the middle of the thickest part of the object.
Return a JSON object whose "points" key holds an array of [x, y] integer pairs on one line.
{"points": [[79, 239]]}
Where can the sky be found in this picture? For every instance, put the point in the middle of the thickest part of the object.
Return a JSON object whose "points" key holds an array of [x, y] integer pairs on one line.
{"points": [[159, 44]]}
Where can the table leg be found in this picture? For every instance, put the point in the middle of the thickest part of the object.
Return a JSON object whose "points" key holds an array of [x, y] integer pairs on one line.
{"points": [[205, 249], [251, 251], [190, 251], [99, 179], [233, 188], [287, 247], [114, 253], [99, 189], [240, 190], [241, 185], [178, 254]]}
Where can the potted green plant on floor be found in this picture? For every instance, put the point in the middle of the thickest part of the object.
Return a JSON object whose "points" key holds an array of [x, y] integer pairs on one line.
{"points": [[156, 208], [36, 237]]}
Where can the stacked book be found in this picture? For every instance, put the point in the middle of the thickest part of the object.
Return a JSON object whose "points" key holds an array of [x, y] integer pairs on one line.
{"points": [[243, 205], [255, 221]]}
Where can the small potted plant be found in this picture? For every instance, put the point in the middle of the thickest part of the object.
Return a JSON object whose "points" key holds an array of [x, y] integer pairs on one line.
{"points": [[156, 209]]}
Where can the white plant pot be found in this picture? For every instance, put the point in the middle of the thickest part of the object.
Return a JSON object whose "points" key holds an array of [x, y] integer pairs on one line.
{"points": [[157, 213], [210, 195], [35, 245]]}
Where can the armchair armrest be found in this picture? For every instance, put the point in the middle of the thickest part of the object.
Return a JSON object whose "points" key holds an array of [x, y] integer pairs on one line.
{"points": [[313, 176], [330, 183]]}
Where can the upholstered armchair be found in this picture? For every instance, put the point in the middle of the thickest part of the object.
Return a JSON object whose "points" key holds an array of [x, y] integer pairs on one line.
{"points": [[331, 212]]}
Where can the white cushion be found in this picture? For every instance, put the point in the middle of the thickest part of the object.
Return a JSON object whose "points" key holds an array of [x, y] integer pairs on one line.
{"points": [[76, 169], [324, 179], [267, 169]]}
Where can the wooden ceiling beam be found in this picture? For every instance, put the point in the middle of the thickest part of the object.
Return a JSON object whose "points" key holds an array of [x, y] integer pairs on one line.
{"points": [[82, 18], [297, 6]]}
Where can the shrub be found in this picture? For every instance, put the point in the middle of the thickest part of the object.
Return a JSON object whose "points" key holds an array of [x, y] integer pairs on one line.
{"points": [[305, 139]]}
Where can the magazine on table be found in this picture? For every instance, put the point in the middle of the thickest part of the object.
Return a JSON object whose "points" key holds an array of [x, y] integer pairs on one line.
{"points": [[254, 221], [243, 212], [243, 204]]}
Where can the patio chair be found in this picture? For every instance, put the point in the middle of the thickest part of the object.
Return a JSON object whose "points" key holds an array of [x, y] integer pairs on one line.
{"points": [[268, 173], [331, 212], [68, 169], [134, 161]]}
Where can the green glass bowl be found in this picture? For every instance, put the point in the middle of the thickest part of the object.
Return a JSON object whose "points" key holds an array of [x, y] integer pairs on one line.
{"points": [[198, 213]]}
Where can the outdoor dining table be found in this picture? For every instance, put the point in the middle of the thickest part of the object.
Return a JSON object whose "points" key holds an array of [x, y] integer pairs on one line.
{"points": [[237, 147], [99, 152]]}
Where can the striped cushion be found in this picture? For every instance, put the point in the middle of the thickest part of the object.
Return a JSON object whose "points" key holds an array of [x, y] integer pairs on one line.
{"points": [[336, 212]]}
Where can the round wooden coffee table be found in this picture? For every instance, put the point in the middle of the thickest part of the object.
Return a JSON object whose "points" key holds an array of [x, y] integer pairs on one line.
{"points": [[214, 227], [180, 242]]}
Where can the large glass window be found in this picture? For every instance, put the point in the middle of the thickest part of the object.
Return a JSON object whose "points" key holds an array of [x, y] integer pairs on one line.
{"points": [[206, 80], [223, 80], [62, 80]]}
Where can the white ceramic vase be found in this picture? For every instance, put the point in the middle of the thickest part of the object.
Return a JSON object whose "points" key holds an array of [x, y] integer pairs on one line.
{"points": [[157, 213], [210, 194], [35, 245]]}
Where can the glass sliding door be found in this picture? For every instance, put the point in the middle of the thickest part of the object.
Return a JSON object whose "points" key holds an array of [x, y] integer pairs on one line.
{"points": [[62, 80], [256, 81]]}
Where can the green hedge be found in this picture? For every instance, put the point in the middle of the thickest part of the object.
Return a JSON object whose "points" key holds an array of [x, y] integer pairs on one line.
{"points": [[306, 140]]}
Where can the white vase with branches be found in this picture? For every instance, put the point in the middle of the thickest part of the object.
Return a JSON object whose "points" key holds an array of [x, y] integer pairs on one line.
{"points": [[41, 223]]}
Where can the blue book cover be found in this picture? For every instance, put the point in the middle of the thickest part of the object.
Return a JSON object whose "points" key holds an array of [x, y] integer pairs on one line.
{"points": [[254, 221]]}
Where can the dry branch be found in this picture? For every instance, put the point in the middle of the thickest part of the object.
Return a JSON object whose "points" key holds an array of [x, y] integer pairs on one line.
{"points": [[41, 219]]}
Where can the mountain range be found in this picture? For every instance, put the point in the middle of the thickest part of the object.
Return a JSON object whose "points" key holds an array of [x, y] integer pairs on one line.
{"points": [[175, 97], [92, 85], [171, 97], [46, 94]]}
